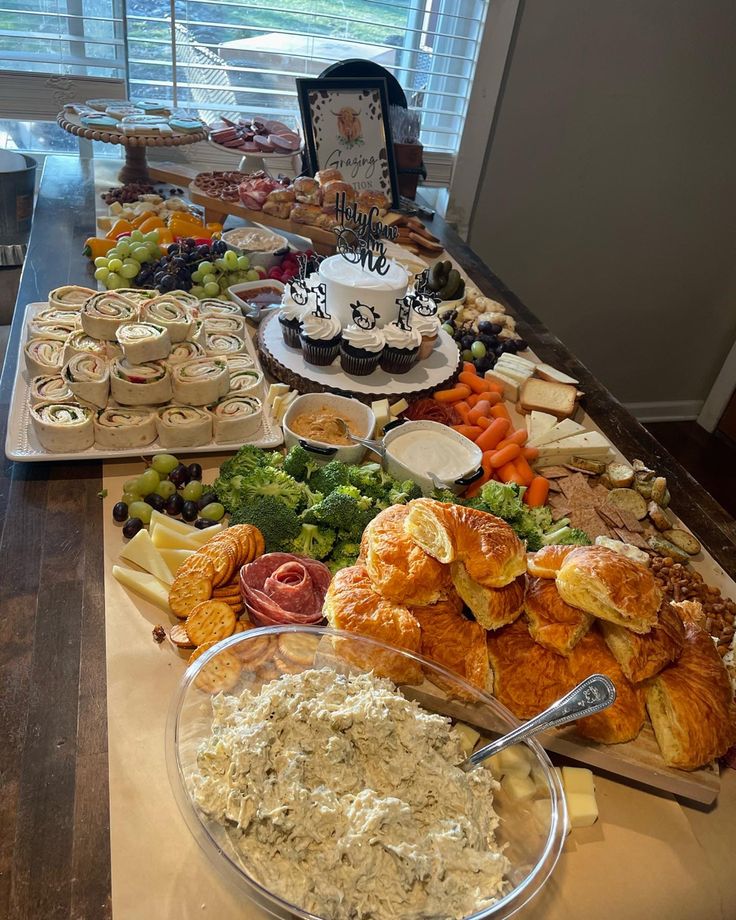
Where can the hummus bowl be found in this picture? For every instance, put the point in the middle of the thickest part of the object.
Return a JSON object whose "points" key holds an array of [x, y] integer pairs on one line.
{"points": [[530, 827]]}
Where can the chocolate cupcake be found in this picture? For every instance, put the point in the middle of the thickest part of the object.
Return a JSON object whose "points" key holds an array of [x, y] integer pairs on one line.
{"points": [[361, 350], [402, 349], [320, 337], [290, 320]]}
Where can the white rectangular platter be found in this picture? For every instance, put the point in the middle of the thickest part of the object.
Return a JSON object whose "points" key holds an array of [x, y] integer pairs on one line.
{"points": [[21, 443]]}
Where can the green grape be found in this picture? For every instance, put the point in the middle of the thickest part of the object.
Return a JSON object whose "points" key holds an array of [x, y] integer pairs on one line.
{"points": [[197, 276], [231, 260], [448, 328], [124, 248], [113, 281], [148, 481], [243, 263], [478, 349], [130, 268], [141, 510], [212, 289], [467, 355], [164, 463], [212, 512], [154, 250], [101, 262], [115, 264], [209, 278], [130, 497], [102, 273], [151, 236], [192, 491], [165, 488], [130, 486], [205, 267], [252, 275], [139, 251], [197, 291], [220, 264], [137, 235]]}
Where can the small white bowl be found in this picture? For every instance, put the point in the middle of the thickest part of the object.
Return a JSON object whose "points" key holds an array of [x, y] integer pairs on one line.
{"points": [[361, 416], [244, 295], [266, 258]]}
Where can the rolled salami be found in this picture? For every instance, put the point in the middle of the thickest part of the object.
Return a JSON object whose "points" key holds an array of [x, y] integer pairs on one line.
{"points": [[223, 344], [63, 427], [104, 313], [70, 297], [144, 342], [44, 356], [121, 428], [236, 418], [212, 306], [139, 384], [50, 388], [200, 381], [183, 351], [183, 426], [220, 323], [79, 343], [59, 329], [88, 377], [245, 381], [169, 312]]}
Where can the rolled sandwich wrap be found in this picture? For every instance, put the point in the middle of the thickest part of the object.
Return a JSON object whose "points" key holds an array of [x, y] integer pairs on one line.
{"points": [[50, 388], [200, 381], [63, 427], [245, 381], [183, 426], [52, 315], [70, 297], [224, 343], [44, 356], [88, 377], [170, 313], [104, 313], [236, 362], [219, 323], [198, 334], [144, 342], [145, 384], [52, 329], [119, 427], [137, 295], [236, 418], [212, 306], [80, 343], [184, 351]]}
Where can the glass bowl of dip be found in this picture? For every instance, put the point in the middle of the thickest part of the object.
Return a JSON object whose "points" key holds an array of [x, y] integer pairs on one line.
{"points": [[277, 667]]}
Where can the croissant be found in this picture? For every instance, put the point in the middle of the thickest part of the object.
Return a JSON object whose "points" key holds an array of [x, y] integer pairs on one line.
{"points": [[491, 607], [552, 622], [642, 657], [546, 562]]}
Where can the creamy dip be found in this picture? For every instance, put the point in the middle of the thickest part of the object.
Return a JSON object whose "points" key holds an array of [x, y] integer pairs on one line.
{"points": [[424, 451], [321, 425], [345, 798], [252, 240]]}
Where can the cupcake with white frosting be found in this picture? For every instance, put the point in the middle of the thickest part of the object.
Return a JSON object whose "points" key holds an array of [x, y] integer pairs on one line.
{"points": [[320, 337], [290, 318], [402, 348], [361, 350], [428, 328]]}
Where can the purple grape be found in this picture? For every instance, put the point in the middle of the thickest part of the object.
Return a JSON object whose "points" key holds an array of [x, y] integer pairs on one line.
{"points": [[189, 511], [173, 505], [120, 512], [131, 527]]}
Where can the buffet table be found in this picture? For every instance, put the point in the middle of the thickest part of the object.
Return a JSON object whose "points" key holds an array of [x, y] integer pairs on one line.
{"points": [[75, 797]]}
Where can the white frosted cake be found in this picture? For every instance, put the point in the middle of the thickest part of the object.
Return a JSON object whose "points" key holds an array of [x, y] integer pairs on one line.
{"points": [[347, 282]]}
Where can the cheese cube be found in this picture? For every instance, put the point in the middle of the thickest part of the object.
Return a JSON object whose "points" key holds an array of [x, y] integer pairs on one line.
{"points": [[578, 779], [468, 737], [493, 764], [398, 407], [515, 759], [382, 412], [518, 788], [582, 809], [141, 551], [149, 588]]}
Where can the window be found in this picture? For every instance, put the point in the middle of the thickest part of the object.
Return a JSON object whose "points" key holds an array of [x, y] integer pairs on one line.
{"points": [[226, 57]]}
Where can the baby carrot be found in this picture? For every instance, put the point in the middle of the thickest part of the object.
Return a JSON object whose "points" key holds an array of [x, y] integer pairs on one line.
{"points": [[477, 384], [516, 437], [509, 473], [494, 387], [530, 453], [484, 421], [493, 434], [500, 411], [462, 409], [493, 398], [453, 395], [505, 455], [469, 431], [523, 468], [481, 408], [469, 367], [536, 495], [473, 399]]}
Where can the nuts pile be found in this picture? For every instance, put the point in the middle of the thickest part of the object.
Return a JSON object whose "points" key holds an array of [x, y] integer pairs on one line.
{"points": [[679, 583]]}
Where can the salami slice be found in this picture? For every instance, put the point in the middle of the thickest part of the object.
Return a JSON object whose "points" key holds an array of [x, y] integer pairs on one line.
{"points": [[283, 588]]}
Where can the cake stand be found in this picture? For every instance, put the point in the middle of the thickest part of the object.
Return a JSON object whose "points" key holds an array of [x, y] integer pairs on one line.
{"points": [[135, 168], [287, 365]]}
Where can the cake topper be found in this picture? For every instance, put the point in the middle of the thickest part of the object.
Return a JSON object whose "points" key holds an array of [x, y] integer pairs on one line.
{"points": [[425, 304], [320, 310], [298, 285], [364, 316], [421, 283], [366, 244], [405, 305]]}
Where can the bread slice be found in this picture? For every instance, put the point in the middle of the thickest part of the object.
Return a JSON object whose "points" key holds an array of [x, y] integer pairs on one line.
{"points": [[559, 399]]}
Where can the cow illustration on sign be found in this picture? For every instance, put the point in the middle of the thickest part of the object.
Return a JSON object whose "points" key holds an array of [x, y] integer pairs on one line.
{"points": [[364, 316], [349, 128]]}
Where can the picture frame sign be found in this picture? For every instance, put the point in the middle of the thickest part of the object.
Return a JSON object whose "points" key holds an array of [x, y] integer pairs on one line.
{"points": [[346, 127]]}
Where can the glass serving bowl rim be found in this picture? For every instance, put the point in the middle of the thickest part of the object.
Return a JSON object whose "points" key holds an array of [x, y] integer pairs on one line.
{"points": [[513, 901]]}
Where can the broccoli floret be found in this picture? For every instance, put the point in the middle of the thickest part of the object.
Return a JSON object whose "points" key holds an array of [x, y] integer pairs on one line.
{"points": [[309, 497], [502, 499], [277, 522], [247, 459], [345, 510], [542, 517], [313, 541], [404, 492], [445, 495], [300, 463], [277, 483], [566, 536], [329, 477], [371, 480], [228, 490], [344, 554]]}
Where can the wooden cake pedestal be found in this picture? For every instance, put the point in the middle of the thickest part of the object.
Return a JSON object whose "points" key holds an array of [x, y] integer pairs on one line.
{"points": [[288, 366]]}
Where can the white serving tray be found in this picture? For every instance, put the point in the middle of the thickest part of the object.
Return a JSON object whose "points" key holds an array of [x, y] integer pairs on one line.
{"points": [[21, 443]]}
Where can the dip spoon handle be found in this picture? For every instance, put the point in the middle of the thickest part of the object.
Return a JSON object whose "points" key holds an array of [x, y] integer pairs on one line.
{"points": [[374, 445], [595, 693]]}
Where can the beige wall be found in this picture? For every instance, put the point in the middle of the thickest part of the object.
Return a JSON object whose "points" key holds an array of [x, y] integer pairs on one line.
{"points": [[608, 199]]}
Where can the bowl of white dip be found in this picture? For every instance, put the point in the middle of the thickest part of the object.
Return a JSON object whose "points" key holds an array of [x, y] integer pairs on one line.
{"points": [[325, 789], [422, 449]]}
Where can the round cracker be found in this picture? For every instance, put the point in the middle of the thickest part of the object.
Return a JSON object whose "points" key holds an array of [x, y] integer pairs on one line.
{"points": [[224, 557], [178, 636], [229, 590], [220, 674], [187, 591], [196, 564], [253, 652], [297, 648], [210, 621]]}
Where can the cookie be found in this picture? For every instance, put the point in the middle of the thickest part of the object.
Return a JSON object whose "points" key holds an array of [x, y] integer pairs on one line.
{"points": [[210, 621], [186, 592]]}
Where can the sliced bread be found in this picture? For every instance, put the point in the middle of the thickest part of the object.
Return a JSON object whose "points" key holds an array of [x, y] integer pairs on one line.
{"points": [[559, 399]]}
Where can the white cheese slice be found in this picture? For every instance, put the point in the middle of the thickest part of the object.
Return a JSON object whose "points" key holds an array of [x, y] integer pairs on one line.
{"points": [[510, 387], [582, 809], [276, 389], [141, 551], [175, 557], [586, 440], [547, 372], [512, 370], [578, 779], [200, 537], [149, 588], [382, 412], [164, 538], [563, 429], [540, 422], [398, 407], [468, 737], [281, 404], [524, 363]]}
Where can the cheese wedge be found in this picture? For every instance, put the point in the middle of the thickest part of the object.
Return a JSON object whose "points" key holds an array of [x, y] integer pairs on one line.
{"points": [[398, 407], [200, 537], [540, 423], [276, 389], [164, 538], [149, 588], [547, 372], [141, 551], [583, 445], [175, 557], [564, 429]]}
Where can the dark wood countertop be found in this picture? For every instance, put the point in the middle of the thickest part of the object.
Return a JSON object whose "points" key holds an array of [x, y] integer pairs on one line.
{"points": [[55, 852]]}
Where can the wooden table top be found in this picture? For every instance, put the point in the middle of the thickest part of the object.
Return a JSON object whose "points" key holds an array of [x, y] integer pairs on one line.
{"points": [[54, 816]]}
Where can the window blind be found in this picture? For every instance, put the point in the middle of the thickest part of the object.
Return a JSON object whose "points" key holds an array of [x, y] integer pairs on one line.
{"points": [[63, 37]]}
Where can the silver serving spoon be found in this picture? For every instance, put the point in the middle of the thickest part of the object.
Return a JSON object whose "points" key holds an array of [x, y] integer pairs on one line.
{"points": [[595, 693], [371, 443]]}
